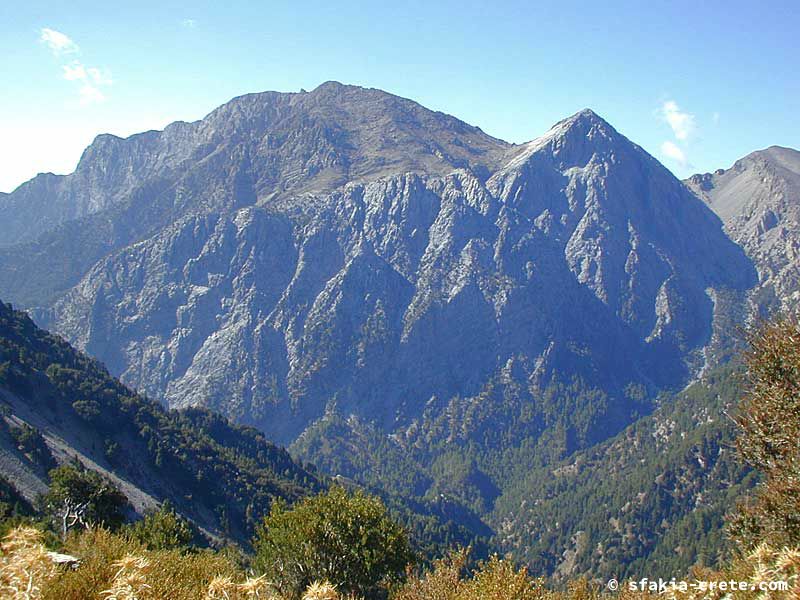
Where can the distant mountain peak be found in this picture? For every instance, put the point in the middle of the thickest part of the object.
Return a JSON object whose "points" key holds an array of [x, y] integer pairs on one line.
{"points": [[584, 123], [586, 115], [758, 200], [334, 86], [775, 157], [571, 142]]}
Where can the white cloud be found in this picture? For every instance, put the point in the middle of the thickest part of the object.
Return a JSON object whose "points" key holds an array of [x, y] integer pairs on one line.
{"points": [[90, 80], [189, 23], [672, 151], [76, 71], [91, 95], [59, 43], [682, 123]]}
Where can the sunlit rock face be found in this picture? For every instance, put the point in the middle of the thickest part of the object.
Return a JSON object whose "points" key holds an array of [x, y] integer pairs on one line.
{"points": [[348, 248], [758, 200]]}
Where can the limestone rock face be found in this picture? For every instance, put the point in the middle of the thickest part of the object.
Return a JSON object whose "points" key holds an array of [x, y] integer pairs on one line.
{"points": [[266, 149], [348, 248], [255, 146], [758, 200]]}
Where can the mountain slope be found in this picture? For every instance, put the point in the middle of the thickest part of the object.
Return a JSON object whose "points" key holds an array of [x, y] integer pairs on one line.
{"points": [[57, 405], [221, 476], [346, 263], [258, 148], [758, 199], [648, 502], [377, 294]]}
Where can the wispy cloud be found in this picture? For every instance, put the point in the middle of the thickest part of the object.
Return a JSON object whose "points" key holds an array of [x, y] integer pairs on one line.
{"points": [[682, 123], [672, 151], [189, 23], [684, 126], [90, 80], [59, 43]]}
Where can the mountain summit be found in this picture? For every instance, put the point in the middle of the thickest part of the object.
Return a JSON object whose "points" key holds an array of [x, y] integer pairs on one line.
{"points": [[346, 264], [254, 148], [346, 245]]}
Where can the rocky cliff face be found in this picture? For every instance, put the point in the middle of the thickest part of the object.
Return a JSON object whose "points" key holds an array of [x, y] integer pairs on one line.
{"points": [[258, 149], [347, 247], [758, 199], [255, 147]]}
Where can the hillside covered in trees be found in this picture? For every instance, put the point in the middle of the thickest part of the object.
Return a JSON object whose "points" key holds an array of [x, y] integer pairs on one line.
{"points": [[61, 407], [345, 545]]}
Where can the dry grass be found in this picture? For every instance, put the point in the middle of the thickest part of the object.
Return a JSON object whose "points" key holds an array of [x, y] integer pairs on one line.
{"points": [[130, 580], [257, 587], [225, 588], [496, 579], [767, 565], [114, 567], [25, 566], [321, 591], [764, 565]]}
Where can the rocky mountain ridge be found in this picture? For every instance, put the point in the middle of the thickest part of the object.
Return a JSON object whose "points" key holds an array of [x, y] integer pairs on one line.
{"points": [[375, 295], [758, 199], [252, 149], [344, 259]]}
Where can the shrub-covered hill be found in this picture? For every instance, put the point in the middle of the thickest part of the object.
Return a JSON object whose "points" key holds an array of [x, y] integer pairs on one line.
{"points": [[57, 404], [651, 500]]}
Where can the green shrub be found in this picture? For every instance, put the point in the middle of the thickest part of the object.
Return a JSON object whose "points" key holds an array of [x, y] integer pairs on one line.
{"points": [[769, 430], [348, 540], [163, 529], [30, 441], [79, 497]]}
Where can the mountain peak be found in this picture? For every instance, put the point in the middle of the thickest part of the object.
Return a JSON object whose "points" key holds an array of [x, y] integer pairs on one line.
{"points": [[776, 156], [586, 115], [582, 123], [333, 86], [757, 200], [585, 126], [572, 141]]}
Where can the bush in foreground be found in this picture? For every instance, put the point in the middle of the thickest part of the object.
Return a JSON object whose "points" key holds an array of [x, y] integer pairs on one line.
{"points": [[769, 438], [346, 539], [163, 529]]}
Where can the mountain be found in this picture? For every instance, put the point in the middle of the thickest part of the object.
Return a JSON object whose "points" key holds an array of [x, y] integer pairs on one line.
{"points": [[758, 199], [652, 499], [375, 295], [407, 301], [267, 144], [256, 148]]}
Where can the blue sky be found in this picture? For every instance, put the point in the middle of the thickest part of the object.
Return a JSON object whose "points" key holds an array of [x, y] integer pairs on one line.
{"points": [[697, 84]]}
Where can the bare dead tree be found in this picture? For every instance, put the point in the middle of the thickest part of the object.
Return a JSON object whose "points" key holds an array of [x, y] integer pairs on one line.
{"points": [[70, 514]]}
